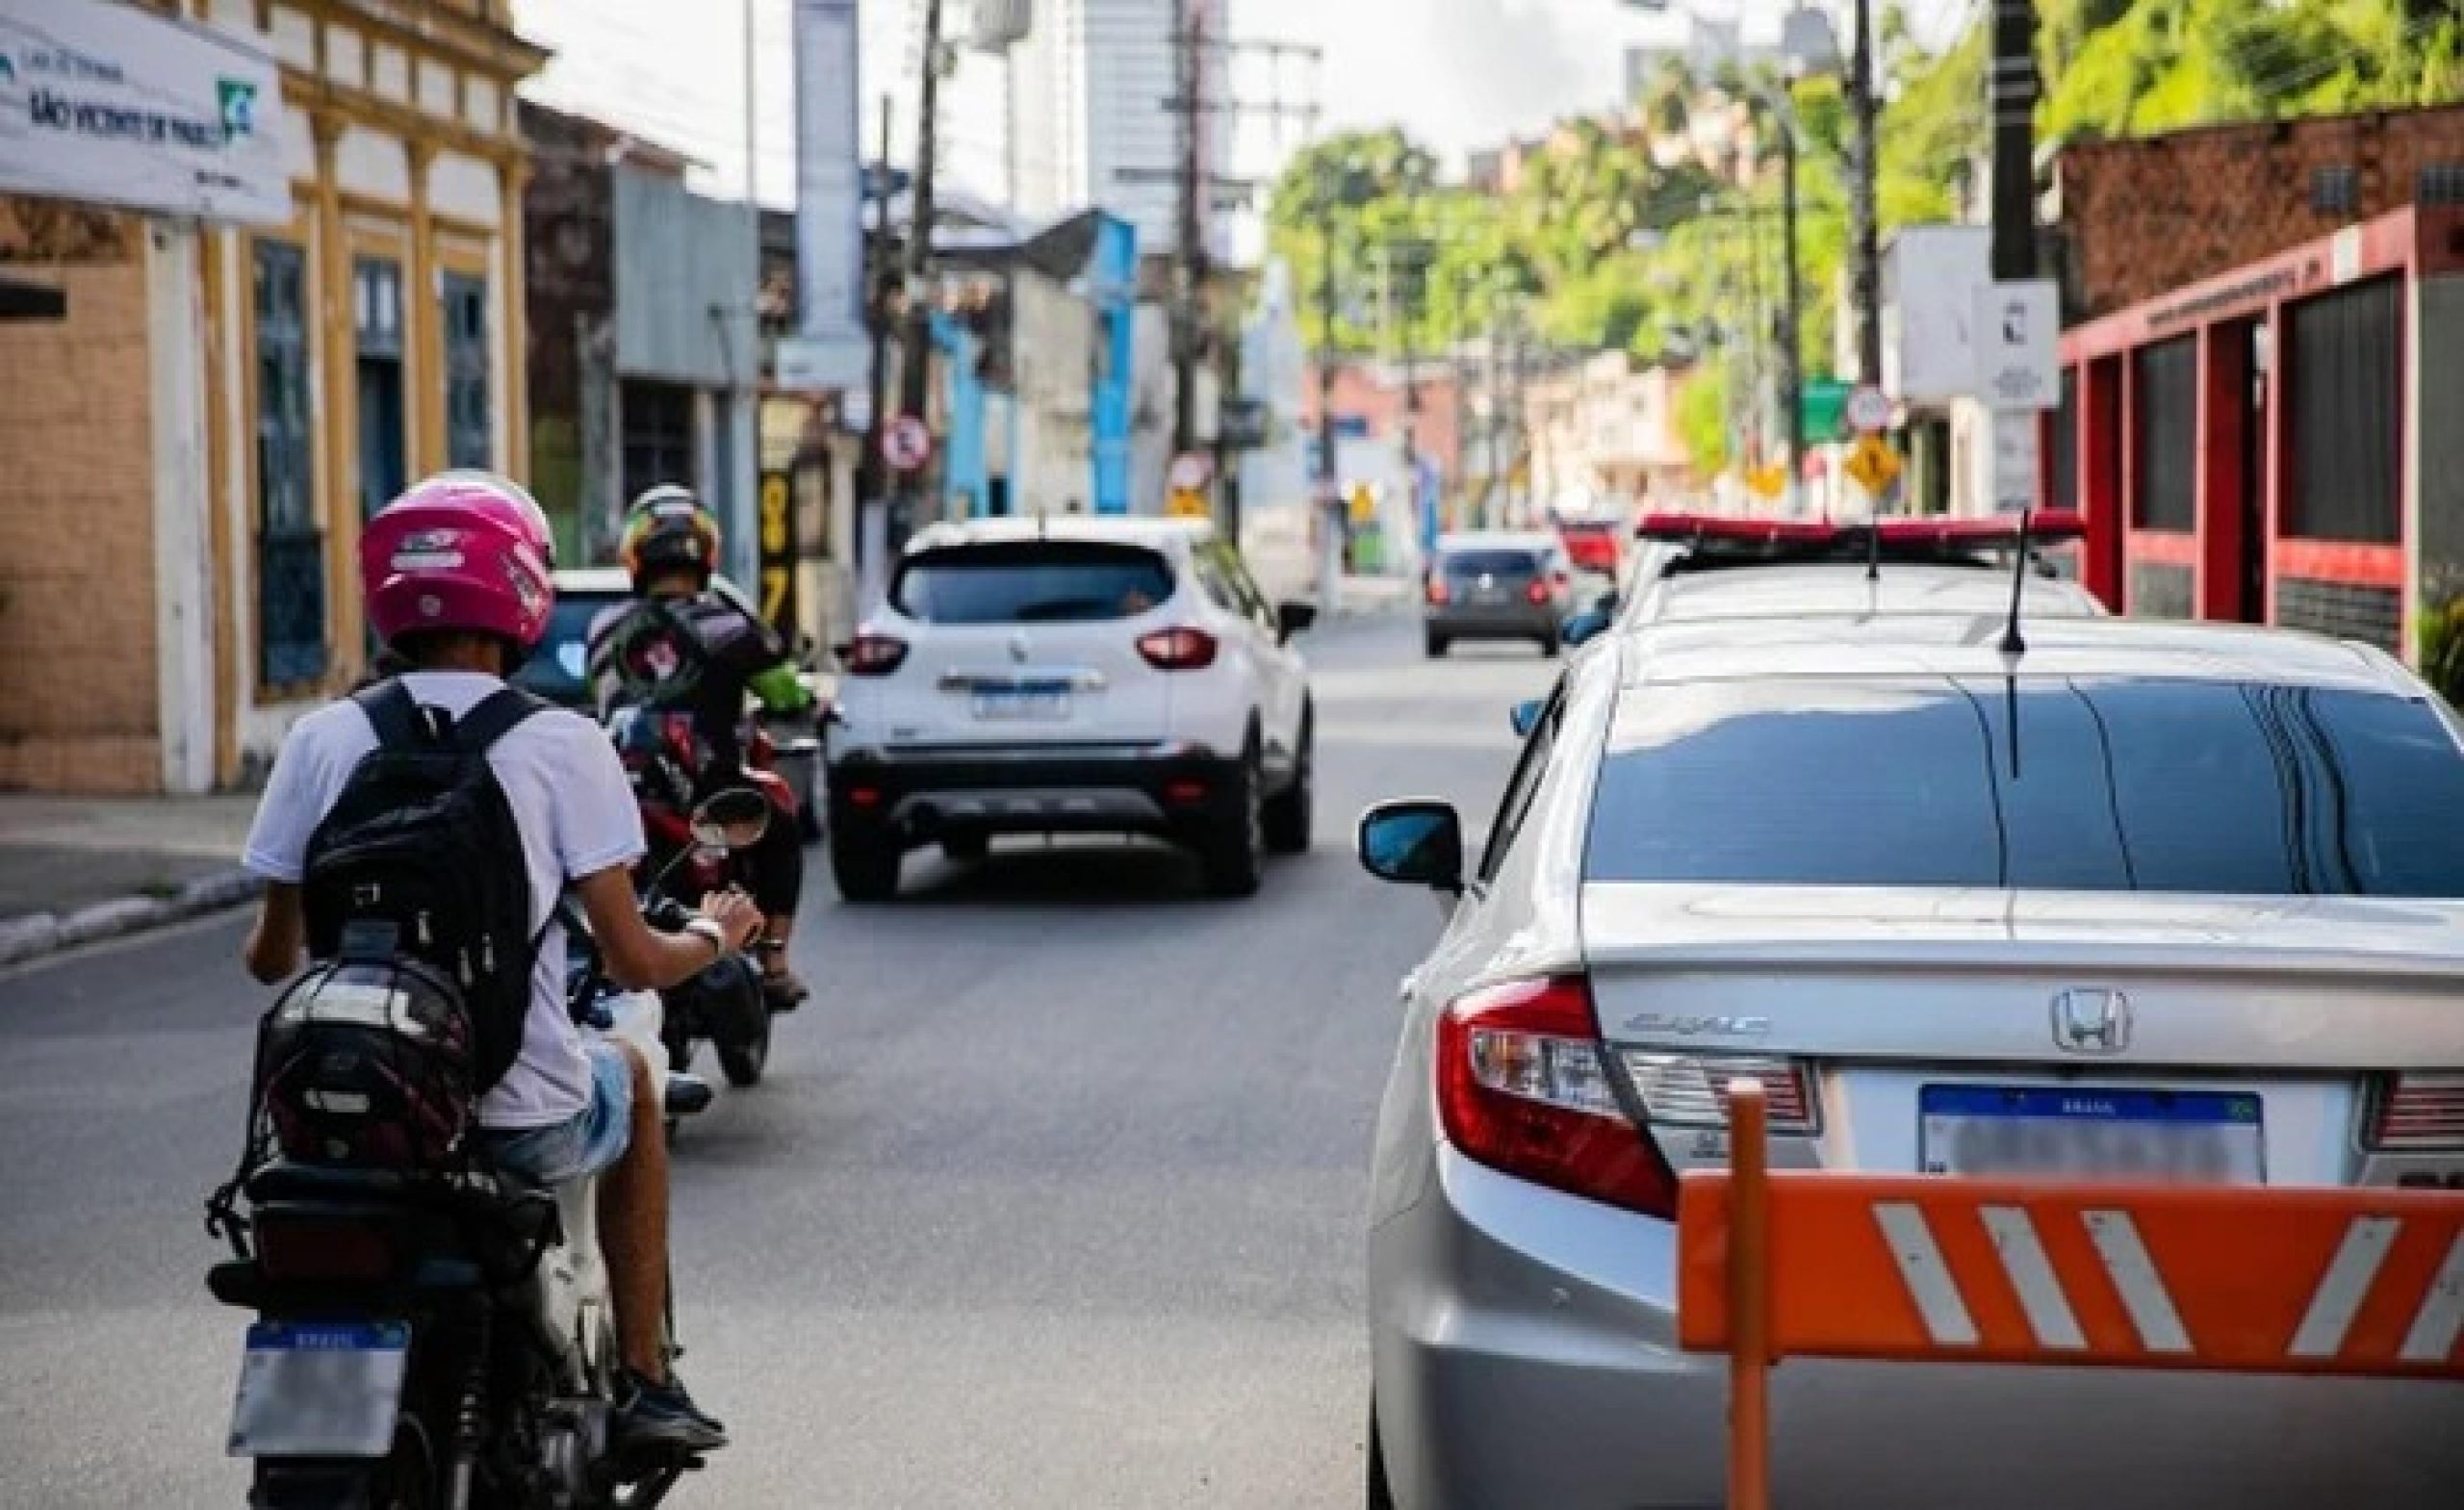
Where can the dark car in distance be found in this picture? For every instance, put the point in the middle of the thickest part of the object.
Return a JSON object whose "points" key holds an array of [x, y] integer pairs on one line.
{"points": [[1496, 585]]}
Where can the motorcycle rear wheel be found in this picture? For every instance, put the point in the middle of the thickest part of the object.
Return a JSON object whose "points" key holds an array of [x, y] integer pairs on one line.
{"points": [[405, 1480]]}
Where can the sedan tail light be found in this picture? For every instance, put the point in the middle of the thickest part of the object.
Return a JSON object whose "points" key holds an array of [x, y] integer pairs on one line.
{"points": [[1538, 590], [1522, 1087], [1692, 1089], [2418, 1112], [1438, 593], [1178, 650], [874, 656]]}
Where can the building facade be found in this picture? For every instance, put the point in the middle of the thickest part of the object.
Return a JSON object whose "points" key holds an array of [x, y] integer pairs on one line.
{"points": [[222, 406]]}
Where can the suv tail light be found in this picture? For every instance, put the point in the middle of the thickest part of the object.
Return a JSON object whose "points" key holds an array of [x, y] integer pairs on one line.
{"points": [[1178, 650], [2418, 1112], [1437, 592], [1522, 1087], [1538, 590], [1692, 1089], [874, 656]]}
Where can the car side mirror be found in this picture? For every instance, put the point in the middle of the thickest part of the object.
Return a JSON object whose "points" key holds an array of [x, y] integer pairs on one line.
{"points": [[1524, 716], [1294, 618], [1588, 625], [1413, 842]]}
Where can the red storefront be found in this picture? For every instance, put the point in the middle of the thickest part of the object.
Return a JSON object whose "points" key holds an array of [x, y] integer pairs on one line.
{"points": [[2283, 443]]}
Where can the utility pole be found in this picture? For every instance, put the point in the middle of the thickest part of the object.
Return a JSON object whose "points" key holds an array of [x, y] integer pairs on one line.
{"points": [[872, 488], [1864, 251], [915, 376], [1191, 274], [2012, 83], [1330, 500], [1792, 379]]}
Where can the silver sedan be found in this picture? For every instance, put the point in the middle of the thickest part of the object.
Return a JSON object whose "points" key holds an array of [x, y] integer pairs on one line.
{"points": [[2146, 901]]}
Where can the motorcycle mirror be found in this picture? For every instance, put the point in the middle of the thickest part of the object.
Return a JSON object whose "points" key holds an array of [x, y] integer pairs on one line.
{"points": [[733, 819]]}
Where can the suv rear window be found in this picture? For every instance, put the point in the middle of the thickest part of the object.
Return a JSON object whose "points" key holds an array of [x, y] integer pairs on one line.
{"points": [[1031, 581], [1490, 563], [2109, 785]]}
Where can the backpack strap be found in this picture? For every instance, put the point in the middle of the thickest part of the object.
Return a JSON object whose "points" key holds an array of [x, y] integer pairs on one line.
{"points": [[393, 713], [493, 717]]}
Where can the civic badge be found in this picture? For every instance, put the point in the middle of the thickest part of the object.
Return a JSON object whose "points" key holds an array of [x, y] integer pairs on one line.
{"points": [[2091, 1022]]}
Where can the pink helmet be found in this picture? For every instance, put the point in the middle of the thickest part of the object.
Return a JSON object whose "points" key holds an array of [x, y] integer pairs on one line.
{"points": [[467, 550]]}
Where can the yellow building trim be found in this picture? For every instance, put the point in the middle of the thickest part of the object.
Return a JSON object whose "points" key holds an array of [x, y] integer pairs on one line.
{"points": [[338, 345], [377, 220], [425, 368], [363, 107], [461, 227], [439, 33], [218, 527], [516, 336]]}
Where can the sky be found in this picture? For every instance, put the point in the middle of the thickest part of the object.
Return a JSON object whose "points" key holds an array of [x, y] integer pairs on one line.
{"points": [[1457, 74]]}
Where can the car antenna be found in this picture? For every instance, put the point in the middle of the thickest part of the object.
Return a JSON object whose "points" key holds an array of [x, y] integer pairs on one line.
{"points": [[1874, 542], [2014, 643]]}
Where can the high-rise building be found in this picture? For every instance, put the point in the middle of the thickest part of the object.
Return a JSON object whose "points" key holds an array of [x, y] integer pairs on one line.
{"points": [[1075, 114]]}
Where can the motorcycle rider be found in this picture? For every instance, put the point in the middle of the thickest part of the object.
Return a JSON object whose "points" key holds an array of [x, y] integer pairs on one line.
{"points": [[689, 646], [456, 579]]}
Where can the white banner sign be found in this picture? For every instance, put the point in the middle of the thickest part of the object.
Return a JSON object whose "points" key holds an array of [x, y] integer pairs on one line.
{"points": [[104, 102], [2014, 461], [2019, 337], [829, 196]]}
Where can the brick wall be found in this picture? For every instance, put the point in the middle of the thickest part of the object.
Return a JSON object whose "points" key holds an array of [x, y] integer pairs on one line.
{"points": [[2140, 218], [78, 711]]}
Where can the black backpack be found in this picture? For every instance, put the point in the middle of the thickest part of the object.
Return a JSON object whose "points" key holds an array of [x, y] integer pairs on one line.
{"points": [[421, 858]]}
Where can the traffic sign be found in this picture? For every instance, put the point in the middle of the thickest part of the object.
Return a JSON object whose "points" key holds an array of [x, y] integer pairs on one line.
{"points": [[2014, 462], [1874, 465], [2018, 335], [1188, 503], [905, 444], [1767, 481], [1868, 410], [1191, 471]]}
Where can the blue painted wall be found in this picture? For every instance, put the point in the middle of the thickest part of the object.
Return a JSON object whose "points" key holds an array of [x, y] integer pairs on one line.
{"points": [[1112, 294], [965, 479]]}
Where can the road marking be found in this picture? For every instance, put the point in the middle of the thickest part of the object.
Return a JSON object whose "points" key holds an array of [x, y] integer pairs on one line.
{"points": [[2134, 1274], [2442, 1312], [1927, 1277], [2343, 1287], [2031, 1273]]}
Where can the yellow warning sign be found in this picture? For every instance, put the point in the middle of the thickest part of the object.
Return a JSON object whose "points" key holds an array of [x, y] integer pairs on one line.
{"points": [[1874, 465], [1767, 481], [1364, 504], [1188, 503]]}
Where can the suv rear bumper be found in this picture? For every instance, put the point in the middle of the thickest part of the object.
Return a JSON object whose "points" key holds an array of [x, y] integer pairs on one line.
{"points": [[1174, 791]]}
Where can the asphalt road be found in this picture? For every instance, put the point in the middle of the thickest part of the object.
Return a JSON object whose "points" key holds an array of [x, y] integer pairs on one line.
{"points": [[1052, 1198]]}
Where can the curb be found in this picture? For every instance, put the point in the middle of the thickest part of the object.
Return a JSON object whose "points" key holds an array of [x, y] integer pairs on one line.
{"points": [[39, 934]]}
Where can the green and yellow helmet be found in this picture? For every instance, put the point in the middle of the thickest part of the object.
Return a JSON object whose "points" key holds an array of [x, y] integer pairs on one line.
{"points": [[667, 529]]}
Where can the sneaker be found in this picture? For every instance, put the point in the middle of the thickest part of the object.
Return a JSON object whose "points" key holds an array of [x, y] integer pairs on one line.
{"points": [[784, 989], [664, 1414]]}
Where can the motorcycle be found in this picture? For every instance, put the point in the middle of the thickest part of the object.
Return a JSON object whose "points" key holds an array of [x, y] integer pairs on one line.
{"points": [[443, 1339], [666, 760]]}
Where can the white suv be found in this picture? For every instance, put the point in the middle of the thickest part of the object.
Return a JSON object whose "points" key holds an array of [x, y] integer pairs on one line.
{"points": [[1075, 674]]}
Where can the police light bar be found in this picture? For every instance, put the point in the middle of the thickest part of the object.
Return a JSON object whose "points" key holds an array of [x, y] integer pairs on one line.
{"points": [[2048, 526]]}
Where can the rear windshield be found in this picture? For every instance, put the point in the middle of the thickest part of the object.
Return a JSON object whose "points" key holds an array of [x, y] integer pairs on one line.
{"points": [[1490, 563], [2085, 784], [1032, 581]]}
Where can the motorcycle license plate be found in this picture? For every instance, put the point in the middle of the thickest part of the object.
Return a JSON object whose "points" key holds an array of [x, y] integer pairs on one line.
{"points": [[320, 1388]]}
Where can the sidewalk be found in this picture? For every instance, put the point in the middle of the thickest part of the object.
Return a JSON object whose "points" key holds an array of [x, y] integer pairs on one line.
{"points": [[75, 869]]}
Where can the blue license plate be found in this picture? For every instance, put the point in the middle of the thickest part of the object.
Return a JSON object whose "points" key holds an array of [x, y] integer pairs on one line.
{"points": [[2087, 1132], [320, 1388]]}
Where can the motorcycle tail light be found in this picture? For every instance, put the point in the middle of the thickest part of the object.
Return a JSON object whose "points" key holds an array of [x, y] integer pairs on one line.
{"points": [[326, 1249]]}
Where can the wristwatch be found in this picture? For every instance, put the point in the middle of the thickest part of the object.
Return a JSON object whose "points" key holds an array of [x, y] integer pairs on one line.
{"points": [[709, 928]]}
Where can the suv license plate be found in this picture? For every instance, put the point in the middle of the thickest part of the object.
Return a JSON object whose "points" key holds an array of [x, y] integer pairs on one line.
{"points": [[2186, 1136], [320, 1388], [1029, 706]]}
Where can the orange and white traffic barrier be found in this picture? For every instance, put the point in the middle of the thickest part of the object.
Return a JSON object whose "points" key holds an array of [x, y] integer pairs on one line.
{"points": [[1938, 1270]]}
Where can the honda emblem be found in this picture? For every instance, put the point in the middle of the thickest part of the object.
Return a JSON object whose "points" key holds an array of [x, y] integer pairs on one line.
{"points": [[2091, 1022]]}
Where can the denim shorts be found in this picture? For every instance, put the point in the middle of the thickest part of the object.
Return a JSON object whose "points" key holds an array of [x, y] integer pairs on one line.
{"points": [[585, 1144]]}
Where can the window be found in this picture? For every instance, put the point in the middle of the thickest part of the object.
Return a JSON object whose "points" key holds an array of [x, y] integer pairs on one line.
{"points": [[2336, 190], [2075, 784], [377, 316], [469, 436], [1523, 786], [291, 552], [2165, 441], [658, 435], [1220, 564], [2343, 384], [1475, 563], [1031, 581]]}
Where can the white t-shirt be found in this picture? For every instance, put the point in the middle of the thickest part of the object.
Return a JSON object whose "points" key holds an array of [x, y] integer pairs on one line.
{"points": [[577, 817]]}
